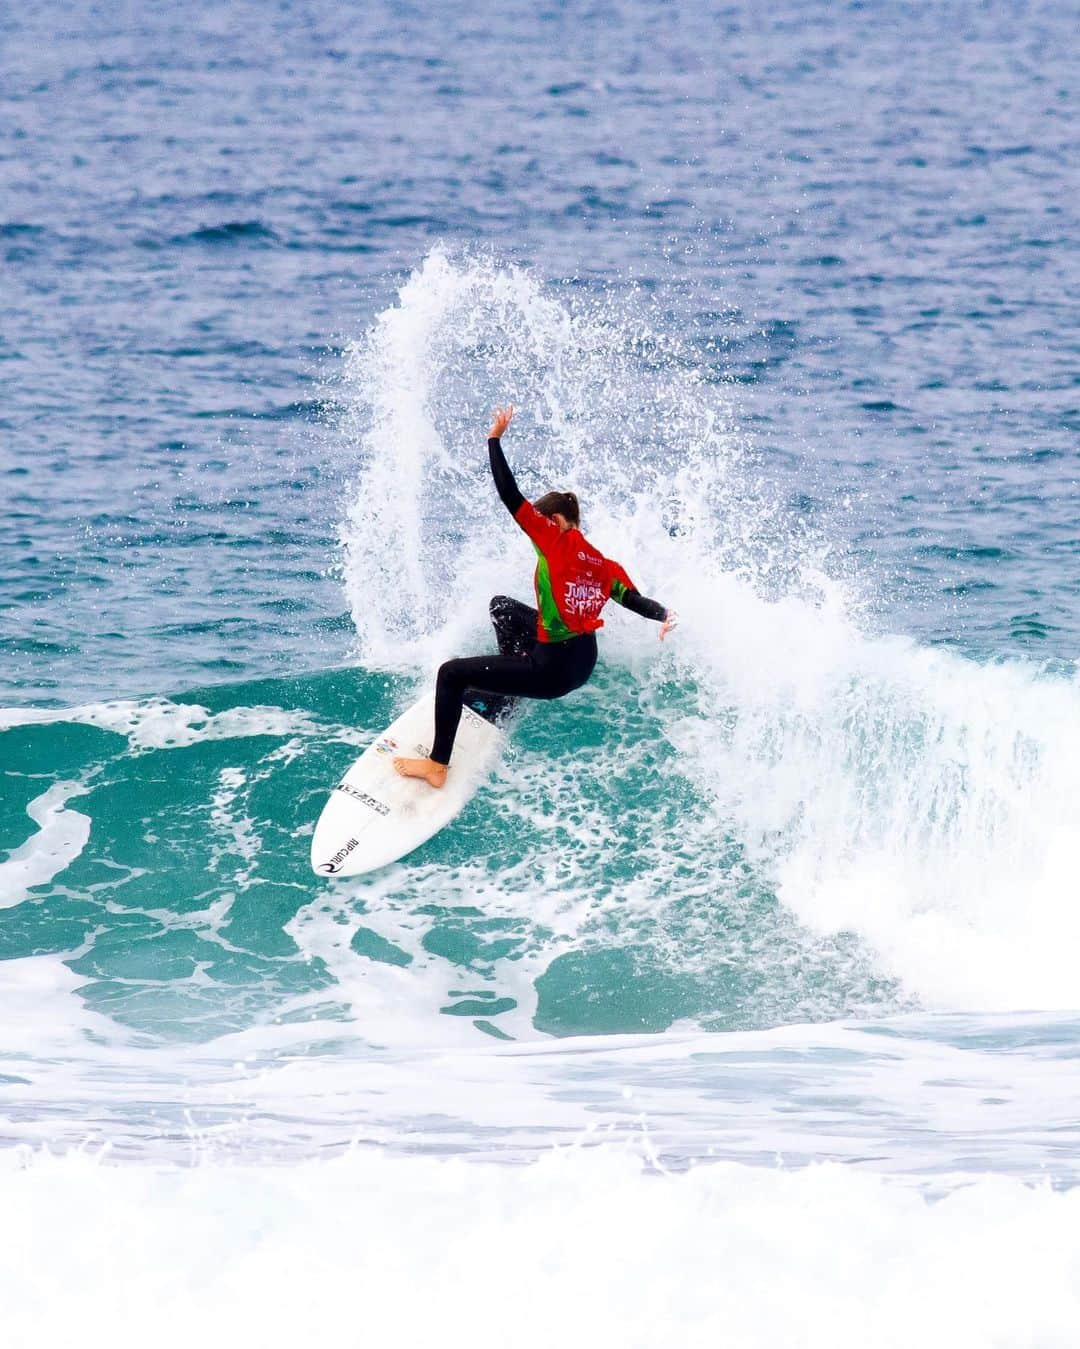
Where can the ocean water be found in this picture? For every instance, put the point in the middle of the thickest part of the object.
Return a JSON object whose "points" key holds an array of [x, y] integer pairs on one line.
{"points": [[742, 1004]]}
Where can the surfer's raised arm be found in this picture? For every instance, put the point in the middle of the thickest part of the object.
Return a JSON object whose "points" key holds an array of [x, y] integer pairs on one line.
{"points": [[507, 488]]}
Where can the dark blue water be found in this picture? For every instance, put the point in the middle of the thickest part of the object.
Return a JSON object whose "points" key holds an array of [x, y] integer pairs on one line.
{"points": [[861, 217]]}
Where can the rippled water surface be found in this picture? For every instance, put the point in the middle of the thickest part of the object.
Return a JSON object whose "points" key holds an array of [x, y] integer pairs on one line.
{"points": [[859, 219]]}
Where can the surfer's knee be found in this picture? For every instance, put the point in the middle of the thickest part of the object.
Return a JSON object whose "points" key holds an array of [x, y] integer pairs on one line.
{"points": [[449, 674]]}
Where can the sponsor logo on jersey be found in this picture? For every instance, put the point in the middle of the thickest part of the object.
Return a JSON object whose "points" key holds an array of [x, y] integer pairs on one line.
{"points": [[358, 795], [334, 864], [583, 597]]}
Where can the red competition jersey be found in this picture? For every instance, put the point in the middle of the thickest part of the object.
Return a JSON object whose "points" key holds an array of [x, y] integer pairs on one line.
{"points": [[573, 580]]}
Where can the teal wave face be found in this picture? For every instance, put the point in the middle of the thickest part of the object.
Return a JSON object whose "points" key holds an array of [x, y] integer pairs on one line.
{"points": [[588, 888]]}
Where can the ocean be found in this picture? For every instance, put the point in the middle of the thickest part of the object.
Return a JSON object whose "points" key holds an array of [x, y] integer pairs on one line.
{"points": [[742, 1004]]}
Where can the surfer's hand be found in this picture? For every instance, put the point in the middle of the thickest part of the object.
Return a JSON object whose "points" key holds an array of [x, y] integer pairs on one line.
{"points": [[670, 622], [500, 420]]}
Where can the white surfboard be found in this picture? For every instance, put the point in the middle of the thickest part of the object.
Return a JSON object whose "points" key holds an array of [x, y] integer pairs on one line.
{"points": [[375, 816]]}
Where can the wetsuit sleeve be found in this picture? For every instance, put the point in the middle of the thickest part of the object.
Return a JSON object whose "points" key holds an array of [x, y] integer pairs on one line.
{"points": [[507, 488], [540, 529], [639, 604], [624, 592]]}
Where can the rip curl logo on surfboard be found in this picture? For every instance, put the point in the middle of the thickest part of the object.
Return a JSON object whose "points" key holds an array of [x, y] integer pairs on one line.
{"points": [[334, 865]]}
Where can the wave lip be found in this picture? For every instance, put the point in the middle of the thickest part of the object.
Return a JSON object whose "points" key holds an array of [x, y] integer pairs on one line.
{"points": [[900, 798]]}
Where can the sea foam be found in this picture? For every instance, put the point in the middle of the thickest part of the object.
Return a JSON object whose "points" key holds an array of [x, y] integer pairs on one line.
{"points": [[583, 1247]]}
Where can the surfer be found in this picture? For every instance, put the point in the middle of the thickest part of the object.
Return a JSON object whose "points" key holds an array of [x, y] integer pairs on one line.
{"points": [[545, 652]]}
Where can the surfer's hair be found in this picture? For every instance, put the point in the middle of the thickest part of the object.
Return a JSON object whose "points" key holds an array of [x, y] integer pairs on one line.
{"points": [[559, 503]]}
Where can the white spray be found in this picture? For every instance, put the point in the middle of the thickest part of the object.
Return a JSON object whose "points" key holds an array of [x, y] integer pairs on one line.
{"points": [[911, 797]]}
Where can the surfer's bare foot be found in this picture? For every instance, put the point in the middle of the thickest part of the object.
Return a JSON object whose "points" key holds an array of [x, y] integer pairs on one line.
{"points": [[434, 774]]}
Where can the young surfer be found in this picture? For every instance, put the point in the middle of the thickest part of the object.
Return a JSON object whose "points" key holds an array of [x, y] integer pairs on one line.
{"points": [[545, 652]]}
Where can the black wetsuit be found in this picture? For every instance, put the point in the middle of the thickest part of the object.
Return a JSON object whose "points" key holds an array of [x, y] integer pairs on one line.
{"points": [[526, 667]]}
